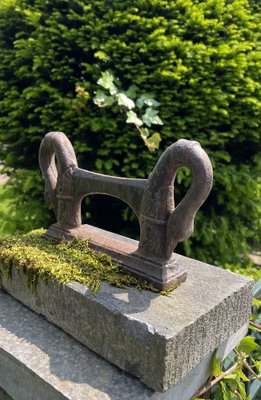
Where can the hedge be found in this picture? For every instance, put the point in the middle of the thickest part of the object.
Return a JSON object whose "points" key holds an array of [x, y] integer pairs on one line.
{"points": [[200, 60]]}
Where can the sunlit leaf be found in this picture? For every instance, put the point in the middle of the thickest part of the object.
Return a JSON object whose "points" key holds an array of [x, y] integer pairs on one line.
{"points": [[252, 317], [247, 345], [216, 366], [151, 117], [153, 141], [107, 82], [125, 101], [256, 302], [242, 375], [147, 99], [102, 100], [133, 118]]}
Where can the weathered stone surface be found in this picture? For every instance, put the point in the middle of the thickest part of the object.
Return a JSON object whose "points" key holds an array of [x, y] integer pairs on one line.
{"points": [[39, 361], [159, 339]]}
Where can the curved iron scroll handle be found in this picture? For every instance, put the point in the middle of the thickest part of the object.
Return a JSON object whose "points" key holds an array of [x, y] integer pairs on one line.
{"points": [[162, 225], [57, 183]]}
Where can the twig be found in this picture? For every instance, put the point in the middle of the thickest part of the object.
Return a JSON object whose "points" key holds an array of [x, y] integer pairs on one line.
{"points": [[251, 370], [247, 366], [204, 389], [236, 392], [257, 326]]}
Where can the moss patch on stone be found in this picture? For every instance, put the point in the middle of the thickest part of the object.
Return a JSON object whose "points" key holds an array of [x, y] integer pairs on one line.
{"points": [[39, 257]]}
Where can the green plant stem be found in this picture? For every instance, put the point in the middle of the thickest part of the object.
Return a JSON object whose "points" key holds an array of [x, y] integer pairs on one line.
{"points": [[204, 389]]}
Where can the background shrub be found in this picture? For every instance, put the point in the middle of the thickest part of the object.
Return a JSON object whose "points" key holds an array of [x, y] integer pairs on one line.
{"points": [[199, 58]]}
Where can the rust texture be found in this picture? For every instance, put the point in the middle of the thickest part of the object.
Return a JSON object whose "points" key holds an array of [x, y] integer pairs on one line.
{"points": [[162, 225]]}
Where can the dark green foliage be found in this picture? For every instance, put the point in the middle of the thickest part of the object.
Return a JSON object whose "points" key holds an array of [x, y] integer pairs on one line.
{"points": [[200, 60], [22, 205]]}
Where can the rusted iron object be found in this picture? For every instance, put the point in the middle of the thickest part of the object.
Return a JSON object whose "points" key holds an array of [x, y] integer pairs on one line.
{"points": [[162, 226]]}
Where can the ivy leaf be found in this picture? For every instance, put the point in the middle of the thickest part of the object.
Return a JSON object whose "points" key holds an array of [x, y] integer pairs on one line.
{"points": [[242, 390], [147, 99], [102, 100], [258, 366], [132, 91], [253, 317], [106, 81], [151, 117], [125, 101], [256, 302], [216, 367], [225, 391], [242, 375], [152, 142], [133, 118], [247, 345]]}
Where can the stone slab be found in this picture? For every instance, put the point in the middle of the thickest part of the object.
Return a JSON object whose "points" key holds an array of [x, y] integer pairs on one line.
{"points": [[38, 361], [159, 339]]}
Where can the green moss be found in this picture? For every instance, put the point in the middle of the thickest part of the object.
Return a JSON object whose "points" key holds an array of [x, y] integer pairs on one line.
{"points": [[41, 258]]}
